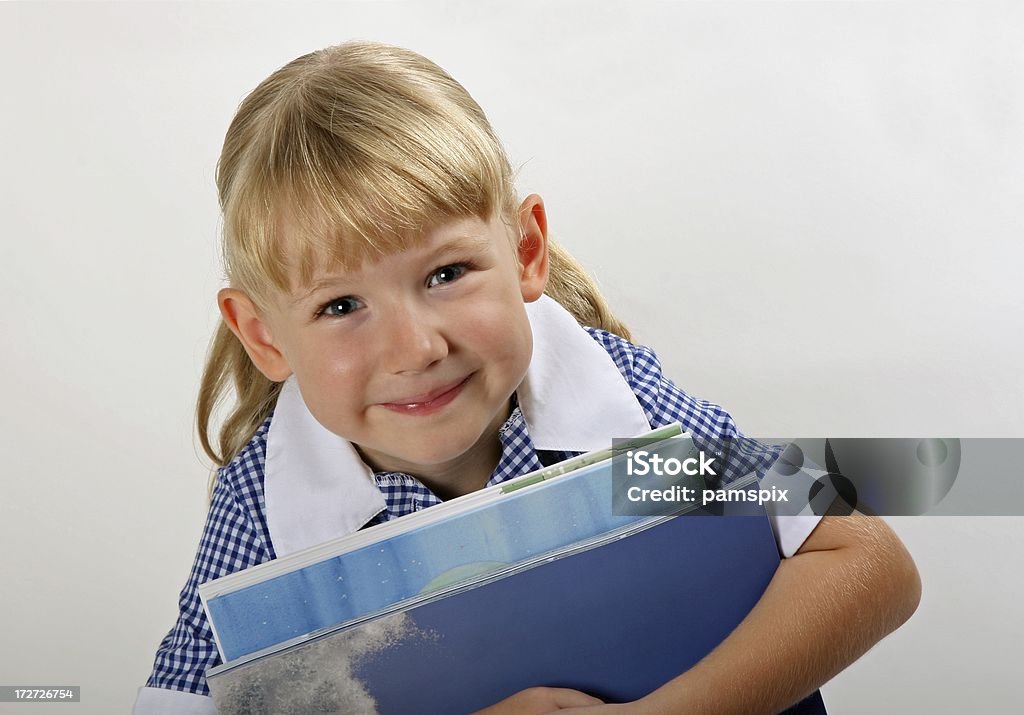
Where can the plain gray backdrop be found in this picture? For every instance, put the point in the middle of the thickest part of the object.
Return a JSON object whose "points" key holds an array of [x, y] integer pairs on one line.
{"points": [[812, 211]]}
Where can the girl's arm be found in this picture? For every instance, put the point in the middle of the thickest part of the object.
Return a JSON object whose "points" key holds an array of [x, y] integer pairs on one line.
{"points": [[850, 584]]}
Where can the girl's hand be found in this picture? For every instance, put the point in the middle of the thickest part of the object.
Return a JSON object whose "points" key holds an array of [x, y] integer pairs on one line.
{"points": [[638, 707], [623, 709], [537, 701]]}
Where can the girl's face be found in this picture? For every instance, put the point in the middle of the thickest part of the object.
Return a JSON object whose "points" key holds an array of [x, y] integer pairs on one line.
{"points": [[413, 358]]}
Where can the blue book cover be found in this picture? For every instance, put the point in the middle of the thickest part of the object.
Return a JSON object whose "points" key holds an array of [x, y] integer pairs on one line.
{"points": [[616, 619], [539, 581]]}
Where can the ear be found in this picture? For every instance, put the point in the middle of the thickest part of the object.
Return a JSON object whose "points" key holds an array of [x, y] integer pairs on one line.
{"points": [[532, 249], [250, 327]]}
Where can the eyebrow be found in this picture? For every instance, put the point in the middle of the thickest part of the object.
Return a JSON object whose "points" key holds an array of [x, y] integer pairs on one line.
{"points": [[464, 242], [460, 242]]}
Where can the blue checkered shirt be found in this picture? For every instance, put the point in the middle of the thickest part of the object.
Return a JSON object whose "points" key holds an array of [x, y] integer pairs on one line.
{"points": [[236, 537]]}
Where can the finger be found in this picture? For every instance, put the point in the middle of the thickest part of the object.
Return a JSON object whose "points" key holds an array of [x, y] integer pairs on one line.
{"points": [[568, 698]]}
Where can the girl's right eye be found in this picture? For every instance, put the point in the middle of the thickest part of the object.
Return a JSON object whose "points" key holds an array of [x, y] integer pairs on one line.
{"points": [[339, 307]]}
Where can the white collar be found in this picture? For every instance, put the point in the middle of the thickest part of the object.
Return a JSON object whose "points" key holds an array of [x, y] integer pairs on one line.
{"points": [[573, 398]]}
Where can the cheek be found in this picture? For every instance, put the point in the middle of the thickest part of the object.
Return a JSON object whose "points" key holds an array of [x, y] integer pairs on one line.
{"points": [[502, 335], [333, 376], [524, 350]]}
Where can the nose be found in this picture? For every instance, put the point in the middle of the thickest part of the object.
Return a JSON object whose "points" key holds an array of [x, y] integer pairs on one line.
{"points": [[413, 339]]}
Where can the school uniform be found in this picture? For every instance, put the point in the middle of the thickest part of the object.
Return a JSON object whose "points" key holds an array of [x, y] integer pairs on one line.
{"points": [[296, 484]]}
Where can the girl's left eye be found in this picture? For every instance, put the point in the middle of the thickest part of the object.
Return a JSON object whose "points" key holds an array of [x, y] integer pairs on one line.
{"points": [[446, 274]]}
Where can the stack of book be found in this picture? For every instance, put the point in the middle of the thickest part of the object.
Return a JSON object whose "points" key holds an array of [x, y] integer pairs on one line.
{"points": [[538, 581]]}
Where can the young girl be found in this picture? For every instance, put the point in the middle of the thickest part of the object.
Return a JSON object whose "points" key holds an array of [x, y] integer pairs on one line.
{"points": [[400, 330]]}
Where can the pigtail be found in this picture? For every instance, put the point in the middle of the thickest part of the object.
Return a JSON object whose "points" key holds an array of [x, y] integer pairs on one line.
{"points": [[228, 367], [571, 285]]}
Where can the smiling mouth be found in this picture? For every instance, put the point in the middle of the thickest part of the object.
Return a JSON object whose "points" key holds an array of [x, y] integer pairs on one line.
{"points": [[428, 402]]}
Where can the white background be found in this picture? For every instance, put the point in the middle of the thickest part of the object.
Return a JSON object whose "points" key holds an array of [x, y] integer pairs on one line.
{"points": [[812, 211]]}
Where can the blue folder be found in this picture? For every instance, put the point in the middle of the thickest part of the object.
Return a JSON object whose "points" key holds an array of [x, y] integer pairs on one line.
{"points": [[616, 620]]}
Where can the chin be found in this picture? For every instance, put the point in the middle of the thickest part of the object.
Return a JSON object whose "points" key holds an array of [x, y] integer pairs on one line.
{"points": [[434, 452], [434, 455]]}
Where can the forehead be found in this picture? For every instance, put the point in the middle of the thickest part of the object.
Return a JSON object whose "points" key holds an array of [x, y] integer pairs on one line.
{"points": [[312, 264]]}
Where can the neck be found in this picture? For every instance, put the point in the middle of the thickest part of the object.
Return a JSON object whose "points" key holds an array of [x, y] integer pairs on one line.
{"points": [[468, 472]]}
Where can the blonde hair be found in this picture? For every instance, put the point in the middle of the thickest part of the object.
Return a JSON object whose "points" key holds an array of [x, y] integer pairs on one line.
{"points": [[355, 149]]}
